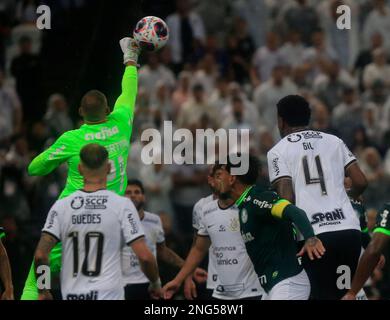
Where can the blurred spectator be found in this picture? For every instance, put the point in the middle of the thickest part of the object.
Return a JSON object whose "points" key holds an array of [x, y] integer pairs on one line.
{"points": [[26, 69], [267, 95], [150, 73], [238, 118], [293, 49], [360, 142], [365, 56], [161, 104], [329, 85], [379, 69], [26, 11], [186, 33], [265, 59], [158, 185], [321, 119], [344, 41], [207, 73], [10, 112], [220, 96], [348, 115], [378, 20], [195, 108], [57, 118], [182, 92], [318, 54], [299, 15]]}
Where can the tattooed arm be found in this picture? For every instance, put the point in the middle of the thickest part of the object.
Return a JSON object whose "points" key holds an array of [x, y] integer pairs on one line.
{"points": [[41, 259]]}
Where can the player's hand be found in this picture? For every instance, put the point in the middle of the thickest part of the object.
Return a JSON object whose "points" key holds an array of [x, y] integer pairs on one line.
{"points": [[200, 275], [170, 289], [313, 247], [131, 50], [190, 289], [349, 296], [45, 295], [155, 290], [8, 294]]}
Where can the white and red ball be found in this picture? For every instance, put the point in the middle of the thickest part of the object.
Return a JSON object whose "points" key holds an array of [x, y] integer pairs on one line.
{"points": [[151, 33]]}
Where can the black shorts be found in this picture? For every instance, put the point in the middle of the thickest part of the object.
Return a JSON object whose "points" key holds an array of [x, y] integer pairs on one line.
{"points": [[137, 291], [329, 276]]}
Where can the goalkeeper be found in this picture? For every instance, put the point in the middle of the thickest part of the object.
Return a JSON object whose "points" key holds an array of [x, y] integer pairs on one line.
{"points": [[111, 130]]}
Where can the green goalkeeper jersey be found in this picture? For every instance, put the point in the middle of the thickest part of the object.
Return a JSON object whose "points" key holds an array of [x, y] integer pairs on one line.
{"points": [[114, 134]]}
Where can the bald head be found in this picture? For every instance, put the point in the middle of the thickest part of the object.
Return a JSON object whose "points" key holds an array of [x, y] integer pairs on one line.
{"points": [[94, 106]]}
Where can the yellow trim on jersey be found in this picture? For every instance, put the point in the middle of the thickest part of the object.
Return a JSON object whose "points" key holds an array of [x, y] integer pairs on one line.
{"points": [[278, 207]]}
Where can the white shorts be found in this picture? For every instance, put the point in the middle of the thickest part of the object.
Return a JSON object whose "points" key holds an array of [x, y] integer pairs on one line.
{"points": [[293, 288]]}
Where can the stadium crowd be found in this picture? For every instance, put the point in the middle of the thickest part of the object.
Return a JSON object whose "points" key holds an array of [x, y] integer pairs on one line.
{"points": [[227, 64]]}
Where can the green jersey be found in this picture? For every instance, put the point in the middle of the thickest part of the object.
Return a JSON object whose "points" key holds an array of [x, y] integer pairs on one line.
{"points": [[269, 239], [114, 134], [383, 220]]}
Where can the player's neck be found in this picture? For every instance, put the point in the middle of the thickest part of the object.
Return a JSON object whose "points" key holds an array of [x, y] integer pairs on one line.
{"points": [[92, 185], [95, 122], [238, 191], [289, 130]]}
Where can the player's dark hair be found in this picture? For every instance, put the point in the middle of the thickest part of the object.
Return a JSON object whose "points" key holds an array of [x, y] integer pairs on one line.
{"points": [[250, 177], [294, 110], [93, 156], [94, 104], [138, 183]]}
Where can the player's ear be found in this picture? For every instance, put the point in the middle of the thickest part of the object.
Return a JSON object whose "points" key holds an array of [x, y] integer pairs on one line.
{"points": [[81, 113], [80, 168]]}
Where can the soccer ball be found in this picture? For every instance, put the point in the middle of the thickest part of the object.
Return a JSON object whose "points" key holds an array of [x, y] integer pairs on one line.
{"points": [[151, 33]]}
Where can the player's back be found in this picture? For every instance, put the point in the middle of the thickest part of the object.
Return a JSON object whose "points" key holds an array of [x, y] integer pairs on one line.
{"points": [[316, 163], [93, 228]]}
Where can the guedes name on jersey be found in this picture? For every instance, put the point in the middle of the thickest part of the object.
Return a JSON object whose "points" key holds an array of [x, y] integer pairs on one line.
{"points": [[87, 218]]}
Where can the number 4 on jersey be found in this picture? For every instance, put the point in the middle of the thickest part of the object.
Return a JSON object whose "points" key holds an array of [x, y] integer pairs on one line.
{"points": [[320, 179]]}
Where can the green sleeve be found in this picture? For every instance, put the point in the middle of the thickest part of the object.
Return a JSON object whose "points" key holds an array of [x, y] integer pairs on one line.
{"points": [[125, 104], [30, 290], [299, 218], [52, 157]]}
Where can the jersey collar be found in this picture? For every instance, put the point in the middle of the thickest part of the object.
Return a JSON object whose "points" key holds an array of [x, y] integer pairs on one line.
{"points": [[243, 196]]}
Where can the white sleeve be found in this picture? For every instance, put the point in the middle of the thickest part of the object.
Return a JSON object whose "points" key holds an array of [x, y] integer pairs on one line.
{"points": [[202, 231], [160, 232], [348, 156], [53, 224], [130, 223], [195, 215], [277, 167]]}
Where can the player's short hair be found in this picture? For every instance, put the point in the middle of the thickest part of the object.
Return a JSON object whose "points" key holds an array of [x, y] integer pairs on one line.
{"points": [[250, 177], [295, 110], [93, 156], [136, 182], [94, 104]]}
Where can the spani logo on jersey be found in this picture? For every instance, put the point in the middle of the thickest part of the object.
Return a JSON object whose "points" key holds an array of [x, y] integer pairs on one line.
{"points": [[294, 137], [133, 223], [77, 203], [52, 215], [328, 218], [92, 295]]}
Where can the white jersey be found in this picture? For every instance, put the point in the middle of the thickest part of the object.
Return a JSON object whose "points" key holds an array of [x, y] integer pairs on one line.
{"points": [[154, 234], [93, 228], [196, 216], [316, 163], [237, 278]]}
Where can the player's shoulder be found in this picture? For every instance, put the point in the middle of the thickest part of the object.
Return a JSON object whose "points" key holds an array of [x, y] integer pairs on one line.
{"points": [[261, 196], [203, 201], [151, 218], [209, 207]]}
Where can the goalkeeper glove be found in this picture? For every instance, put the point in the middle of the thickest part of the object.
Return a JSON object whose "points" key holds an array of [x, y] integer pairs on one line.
{"points": [[130, 49]]}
